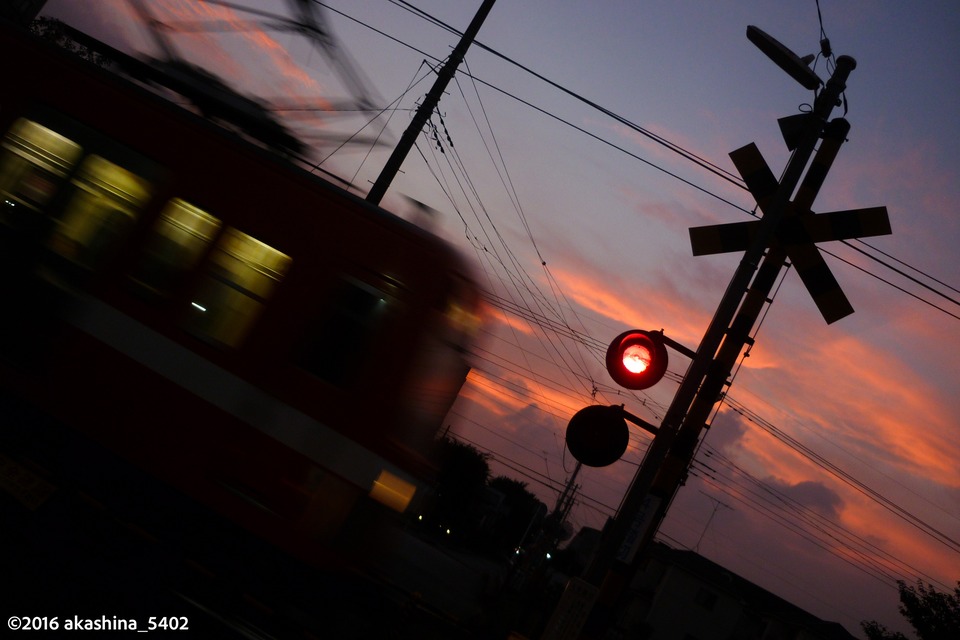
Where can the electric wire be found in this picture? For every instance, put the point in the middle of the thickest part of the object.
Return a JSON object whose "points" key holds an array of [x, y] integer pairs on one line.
{"points": [[760, 493], [586, 341], [511, 190], [672, 146], [781, 281], [789, 524], [520, 283], [914, 280], [690, 156], [902, 513], [507, 183], [531, 286], [719, 171]]}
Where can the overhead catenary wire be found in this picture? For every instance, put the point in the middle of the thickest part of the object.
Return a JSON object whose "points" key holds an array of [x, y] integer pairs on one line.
{"points": [[521, 284], [507, 183], [510, 188]]}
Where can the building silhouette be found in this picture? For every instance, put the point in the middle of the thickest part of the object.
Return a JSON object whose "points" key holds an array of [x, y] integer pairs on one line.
{"points": [[680, 595]]}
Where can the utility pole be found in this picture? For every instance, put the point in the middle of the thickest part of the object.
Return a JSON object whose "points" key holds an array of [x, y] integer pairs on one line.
{"points": [[420, 118], [565, 499], [561, 511], [787, 229]]}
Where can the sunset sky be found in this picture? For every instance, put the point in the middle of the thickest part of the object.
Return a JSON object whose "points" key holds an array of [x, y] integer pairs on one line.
{"points": [[833, 469]]}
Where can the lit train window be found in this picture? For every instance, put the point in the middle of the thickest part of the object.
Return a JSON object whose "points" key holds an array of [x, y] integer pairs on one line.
{"points": [[242, 274], [340, 341], [34, 161], [393, 491], [178, 241], [102, 209]]}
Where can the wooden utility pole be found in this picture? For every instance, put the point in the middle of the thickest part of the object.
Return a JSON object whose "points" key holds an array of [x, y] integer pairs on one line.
{"points": [[423, 114]]}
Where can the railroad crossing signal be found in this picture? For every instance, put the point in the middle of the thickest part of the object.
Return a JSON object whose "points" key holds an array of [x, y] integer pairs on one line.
{"points": [[637, 359], [800, 228], [786, 230], [597, 436]]}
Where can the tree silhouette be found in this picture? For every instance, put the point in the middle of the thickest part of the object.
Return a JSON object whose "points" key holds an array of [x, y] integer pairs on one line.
{"points": [[934, 615], [523, 514], [462, 478]]}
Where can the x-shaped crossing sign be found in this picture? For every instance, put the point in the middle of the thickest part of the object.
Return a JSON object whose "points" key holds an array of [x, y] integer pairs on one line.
{"points": [[800, 229]]}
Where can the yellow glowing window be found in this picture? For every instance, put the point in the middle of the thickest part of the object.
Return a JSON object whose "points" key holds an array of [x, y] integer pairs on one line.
{"points": [[33, 162], [102, 209], [179, 239], [242, 275], [392, 491]]}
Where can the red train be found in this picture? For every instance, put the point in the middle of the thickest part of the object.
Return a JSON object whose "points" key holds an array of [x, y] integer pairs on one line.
{"points": [[193, 322]]}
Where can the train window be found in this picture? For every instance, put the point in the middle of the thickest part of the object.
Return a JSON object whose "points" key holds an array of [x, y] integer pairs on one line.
{"points": [[178, 241], [33, 161], [105, 202], [339, 342], [242, 274], [393, 491]]}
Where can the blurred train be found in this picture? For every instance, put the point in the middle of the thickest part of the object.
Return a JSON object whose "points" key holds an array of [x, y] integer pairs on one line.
{"points": [[198, 337]]}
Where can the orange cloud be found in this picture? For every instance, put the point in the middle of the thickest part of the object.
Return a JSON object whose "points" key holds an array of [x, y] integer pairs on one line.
{"points": [[874, 524], [510, 321], [624, 305], [867, 390], [493, 397], [901, 539]]}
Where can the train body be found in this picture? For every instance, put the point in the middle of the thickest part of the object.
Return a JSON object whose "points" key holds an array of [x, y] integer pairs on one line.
{"points": [[191, 307]]}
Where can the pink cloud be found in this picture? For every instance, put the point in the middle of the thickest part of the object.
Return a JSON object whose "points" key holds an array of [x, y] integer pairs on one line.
{"points": [[867, 392], [508, 321], [611, 299]]}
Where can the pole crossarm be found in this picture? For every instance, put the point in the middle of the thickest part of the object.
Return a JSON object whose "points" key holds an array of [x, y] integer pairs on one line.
{"points": [[800, 228], [794, 230]]}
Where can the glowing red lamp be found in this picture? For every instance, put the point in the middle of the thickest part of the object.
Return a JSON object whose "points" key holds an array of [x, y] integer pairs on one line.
{"points": [[637, 359]]}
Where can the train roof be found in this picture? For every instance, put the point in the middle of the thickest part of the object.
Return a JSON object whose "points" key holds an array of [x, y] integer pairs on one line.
{"points": [[236, 119]]}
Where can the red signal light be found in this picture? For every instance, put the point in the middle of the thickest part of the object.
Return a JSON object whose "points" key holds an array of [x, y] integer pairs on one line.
{"points": [[637, 359]]}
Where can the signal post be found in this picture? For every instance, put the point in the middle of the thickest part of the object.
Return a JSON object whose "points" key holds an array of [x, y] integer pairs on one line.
{"points": [[788, 229]]}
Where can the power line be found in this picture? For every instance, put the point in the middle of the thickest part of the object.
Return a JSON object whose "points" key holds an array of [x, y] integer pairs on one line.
{"points": [[562, 328], [846, 477], [688, 155], [803, 520]]}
